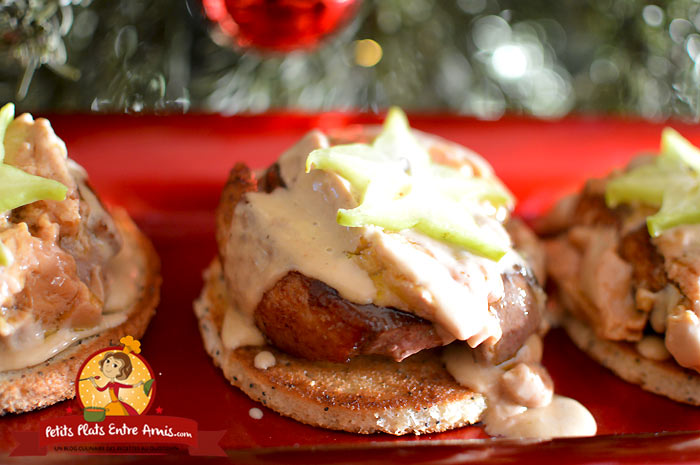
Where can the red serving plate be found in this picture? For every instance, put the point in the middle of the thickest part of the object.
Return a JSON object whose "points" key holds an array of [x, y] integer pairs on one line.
{"points": [[168, 171]]}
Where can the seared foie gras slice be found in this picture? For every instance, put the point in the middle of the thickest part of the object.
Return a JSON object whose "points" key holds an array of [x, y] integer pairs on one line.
{"points": [[321, 325], [306, 318]]}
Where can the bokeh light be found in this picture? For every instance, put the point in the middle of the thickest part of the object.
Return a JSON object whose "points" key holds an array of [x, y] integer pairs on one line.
{"points": [[510, 61], [367, 53]]}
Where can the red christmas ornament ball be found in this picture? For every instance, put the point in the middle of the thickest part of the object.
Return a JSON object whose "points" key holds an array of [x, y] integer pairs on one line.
{"points": [[279, 25]]}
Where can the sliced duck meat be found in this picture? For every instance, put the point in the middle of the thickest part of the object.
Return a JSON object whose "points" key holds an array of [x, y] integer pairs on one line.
{"points": [[60, 249], [42, 286], [79, 224], [647, 263], [591, 210], [680, 248]]}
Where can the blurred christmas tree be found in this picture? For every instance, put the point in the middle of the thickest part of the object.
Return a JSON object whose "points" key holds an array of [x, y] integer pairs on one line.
{"points": [[477, 57]]}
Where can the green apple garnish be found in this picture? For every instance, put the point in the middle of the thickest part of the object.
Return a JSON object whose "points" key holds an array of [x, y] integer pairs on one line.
{"points": [[671, 183], [681, 205], [7, 114], [647, 184], [398, 187], [675, 146], [19, 188]]}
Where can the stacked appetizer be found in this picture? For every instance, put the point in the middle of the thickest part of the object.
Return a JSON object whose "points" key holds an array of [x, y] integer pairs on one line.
{"points": [[73, 277], [347, 266], [625, 256]]}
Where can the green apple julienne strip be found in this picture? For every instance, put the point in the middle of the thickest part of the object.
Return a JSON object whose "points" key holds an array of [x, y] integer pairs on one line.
{"points": [[645, 184], [397, 141], [681, 206], [435, 223], [671, 182], [398, 188], [473, 239], [18, 188], [350, 162], [661, 222], [674, 145], [464, 188], [7, 114], [388, 216]]}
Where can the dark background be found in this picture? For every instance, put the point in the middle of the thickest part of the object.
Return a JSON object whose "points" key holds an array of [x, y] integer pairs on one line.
{"points": [[475, 57]]}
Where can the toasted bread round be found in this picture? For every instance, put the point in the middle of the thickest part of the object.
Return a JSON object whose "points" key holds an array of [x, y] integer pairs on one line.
{"points": [[54, 380], [366, 395], [666, 378]]}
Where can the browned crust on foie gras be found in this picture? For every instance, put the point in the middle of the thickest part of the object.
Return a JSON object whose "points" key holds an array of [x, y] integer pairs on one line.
{"points": [[54, 380], [366, 395], [306, 318]]}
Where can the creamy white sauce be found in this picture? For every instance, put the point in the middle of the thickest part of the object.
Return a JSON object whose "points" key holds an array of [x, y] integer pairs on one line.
{"points": [[33, 146], [295, 229], [503, 417], [683, 337], [653, 348], [124, 276], [264, 360], [239, 330], [456, 285], [255, 413], [563, 417], [55, 343]]}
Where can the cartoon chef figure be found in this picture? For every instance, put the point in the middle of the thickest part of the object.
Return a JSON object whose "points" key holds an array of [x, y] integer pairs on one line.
{"points": [[116, 367]]}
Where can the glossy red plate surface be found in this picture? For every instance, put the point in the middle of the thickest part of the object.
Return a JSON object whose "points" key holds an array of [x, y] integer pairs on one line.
{"points": [[168, 171]]}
